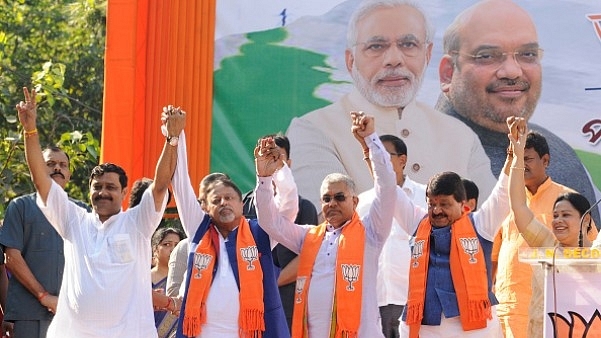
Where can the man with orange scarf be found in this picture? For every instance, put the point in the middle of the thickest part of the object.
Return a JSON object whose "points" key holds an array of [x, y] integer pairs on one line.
{"points": [[336, 283], [450, 284], [230, 286]]}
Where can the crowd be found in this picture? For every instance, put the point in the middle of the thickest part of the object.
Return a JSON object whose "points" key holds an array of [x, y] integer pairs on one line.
{"points": [[400, 245]]}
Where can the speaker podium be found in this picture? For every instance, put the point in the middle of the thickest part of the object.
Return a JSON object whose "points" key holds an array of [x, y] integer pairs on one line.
{"points": [[571, 278]]}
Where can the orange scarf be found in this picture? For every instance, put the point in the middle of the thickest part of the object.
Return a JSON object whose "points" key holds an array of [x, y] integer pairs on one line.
{"points": [[348, 283], [468, 271], [250, 318]]}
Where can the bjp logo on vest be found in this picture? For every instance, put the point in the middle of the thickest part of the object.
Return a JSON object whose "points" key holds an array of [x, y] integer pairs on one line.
{"points": [[249, 255], [201, 262], [417, 252], [300, 286], [470, 246], [350, 273]]}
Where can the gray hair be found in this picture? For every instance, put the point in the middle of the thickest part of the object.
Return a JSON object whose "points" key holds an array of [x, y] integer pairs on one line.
{"points": [[336, 178], [368, 6], [451, 40]]}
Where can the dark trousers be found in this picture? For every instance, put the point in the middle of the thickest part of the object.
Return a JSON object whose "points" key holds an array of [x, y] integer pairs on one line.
{"points": [[390, 315]]}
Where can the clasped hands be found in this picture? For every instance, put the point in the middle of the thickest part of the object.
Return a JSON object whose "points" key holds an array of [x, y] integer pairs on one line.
{"points": [[518, 131], [173, 120]]}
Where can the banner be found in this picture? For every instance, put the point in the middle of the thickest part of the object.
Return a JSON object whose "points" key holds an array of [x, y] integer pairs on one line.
{"points": [[275, 60]]}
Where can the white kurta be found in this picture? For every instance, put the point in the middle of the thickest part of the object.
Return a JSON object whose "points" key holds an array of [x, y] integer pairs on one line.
{"points": [[106, 289], [437, 142], [393, 266], [377, 227]]}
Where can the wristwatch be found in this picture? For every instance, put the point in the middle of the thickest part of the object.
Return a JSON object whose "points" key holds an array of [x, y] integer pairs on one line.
{"points": [[172, 140]]}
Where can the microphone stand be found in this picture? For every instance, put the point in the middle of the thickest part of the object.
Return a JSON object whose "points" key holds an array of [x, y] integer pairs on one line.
{"points": [[588, 211]]}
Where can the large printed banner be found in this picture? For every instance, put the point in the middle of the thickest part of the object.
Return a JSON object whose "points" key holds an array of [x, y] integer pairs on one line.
{"points": [[265, 62], [275, 60]]}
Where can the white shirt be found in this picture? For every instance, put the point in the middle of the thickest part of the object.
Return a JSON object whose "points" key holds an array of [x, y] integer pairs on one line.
{"points": [[437, 142], [106, 289], [223, 304], [377, 227], [393, 265]]}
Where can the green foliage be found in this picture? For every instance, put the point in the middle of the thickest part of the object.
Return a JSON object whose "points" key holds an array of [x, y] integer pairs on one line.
{"points": [[56, 46]]}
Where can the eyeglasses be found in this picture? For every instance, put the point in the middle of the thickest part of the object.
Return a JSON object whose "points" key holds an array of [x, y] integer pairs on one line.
{"points": [[496, 57], [409, 47], [338, 197]]}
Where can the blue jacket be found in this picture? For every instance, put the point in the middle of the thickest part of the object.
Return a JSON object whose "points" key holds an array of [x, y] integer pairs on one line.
{"points": [[440, 291], [275, 320]]}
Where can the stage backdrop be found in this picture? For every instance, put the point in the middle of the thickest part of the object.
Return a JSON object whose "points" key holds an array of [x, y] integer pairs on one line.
{"points": [[274, 60]]}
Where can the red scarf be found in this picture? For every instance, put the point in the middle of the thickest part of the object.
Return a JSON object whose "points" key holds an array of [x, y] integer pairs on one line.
{"points": [[468, 273], [250, 319], [346, 315]]}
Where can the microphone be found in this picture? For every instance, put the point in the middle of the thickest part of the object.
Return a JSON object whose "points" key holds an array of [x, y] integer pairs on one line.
{"points": [[588, 211]]}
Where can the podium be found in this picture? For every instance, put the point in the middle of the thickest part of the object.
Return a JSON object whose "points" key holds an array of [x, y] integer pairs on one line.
{"points": [[572, 289]]}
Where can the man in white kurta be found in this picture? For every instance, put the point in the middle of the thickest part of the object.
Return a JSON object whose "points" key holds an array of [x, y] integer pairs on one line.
{"points": [[106, 285], [377, 227], [106, 288], [393, 265]]}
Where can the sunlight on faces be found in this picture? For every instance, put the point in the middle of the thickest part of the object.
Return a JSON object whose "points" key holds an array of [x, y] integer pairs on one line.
{"points": [[57, 166], [337, 212], [443, 210], [393, 78], [224, 205], [106, 195], [488, 94], [566, 223]]}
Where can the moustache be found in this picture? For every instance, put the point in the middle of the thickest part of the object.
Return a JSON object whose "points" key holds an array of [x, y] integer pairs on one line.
{"points": [[225, 209], [394, 73], [503, 83], [57, 173], [98, 198]]}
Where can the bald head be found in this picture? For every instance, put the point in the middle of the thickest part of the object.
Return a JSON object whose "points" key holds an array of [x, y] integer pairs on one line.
{"points": [[495, 16], [507, 80]]}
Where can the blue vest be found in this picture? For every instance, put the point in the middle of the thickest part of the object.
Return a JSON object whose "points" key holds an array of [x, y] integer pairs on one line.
{"points": [[275, 320], [440, 291]]}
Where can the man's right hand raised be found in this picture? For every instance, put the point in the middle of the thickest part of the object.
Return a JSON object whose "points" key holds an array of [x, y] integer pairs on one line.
{"points": [[363, 125], [28, 110], [267, 157]]}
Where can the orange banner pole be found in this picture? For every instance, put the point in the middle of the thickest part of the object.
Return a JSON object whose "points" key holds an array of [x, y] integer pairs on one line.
{"points": [[158, 53]]}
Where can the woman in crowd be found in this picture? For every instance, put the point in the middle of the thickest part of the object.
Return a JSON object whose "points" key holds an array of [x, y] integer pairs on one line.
{"points": [[163, 242]]}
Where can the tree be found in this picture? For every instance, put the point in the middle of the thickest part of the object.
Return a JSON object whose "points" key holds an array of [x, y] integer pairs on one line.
{"points": [[58, 48]]}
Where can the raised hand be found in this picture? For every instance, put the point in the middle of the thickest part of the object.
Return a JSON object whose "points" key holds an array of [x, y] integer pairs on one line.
{"points": [[173, 120], [363, 125], [268, 158], [28, 110], [518, 131]]}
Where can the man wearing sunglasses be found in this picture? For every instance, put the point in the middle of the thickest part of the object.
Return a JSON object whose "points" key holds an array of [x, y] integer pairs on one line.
{"points": [[336, 281]]}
